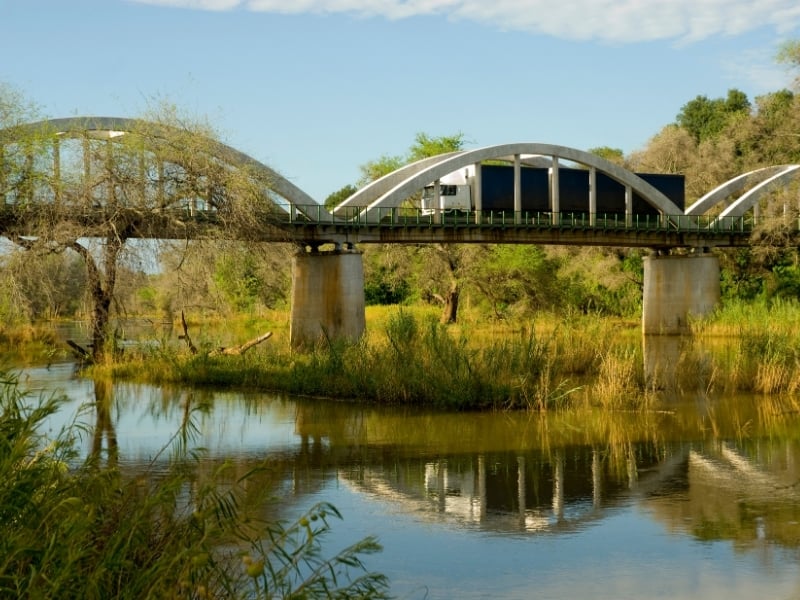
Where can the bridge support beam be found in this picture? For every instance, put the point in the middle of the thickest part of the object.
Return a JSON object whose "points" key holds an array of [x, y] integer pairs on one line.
{"points": [[327, 297], [677, 287]]}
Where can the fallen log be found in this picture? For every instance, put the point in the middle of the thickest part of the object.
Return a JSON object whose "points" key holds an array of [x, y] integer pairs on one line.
{"points": [[241, 349], [79, 351], [232, 351]]}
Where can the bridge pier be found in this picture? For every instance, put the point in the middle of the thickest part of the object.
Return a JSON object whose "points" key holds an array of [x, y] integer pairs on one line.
{"points": [[675, 287], [327, 296]]}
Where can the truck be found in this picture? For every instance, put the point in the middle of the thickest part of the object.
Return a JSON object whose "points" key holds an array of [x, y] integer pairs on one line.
{"points": [[457, 191]]}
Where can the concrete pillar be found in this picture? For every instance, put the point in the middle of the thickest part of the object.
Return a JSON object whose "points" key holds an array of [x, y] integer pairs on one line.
{"points": [[327, 297], [676, 287], [555, 194]]}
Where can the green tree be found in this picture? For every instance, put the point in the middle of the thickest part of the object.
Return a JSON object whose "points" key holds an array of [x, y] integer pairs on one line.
{"points": [[704, 118], [339, 196], [425, 145], [385, 283], [614, 155], [375, 169]]}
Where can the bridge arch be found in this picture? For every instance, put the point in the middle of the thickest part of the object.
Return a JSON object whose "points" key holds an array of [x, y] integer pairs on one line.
{"points": [[396, 187], [110, 127], [763, 181]]}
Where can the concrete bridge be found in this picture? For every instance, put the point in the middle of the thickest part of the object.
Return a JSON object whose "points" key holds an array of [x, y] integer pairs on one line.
{"points": [[681, 276]]}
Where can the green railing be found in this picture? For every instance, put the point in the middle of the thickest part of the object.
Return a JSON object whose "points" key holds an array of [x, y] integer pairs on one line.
{"points": [[357, 217]]}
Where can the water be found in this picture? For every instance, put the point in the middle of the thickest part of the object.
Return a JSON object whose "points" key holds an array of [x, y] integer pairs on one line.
{"points": [[701, 501]]}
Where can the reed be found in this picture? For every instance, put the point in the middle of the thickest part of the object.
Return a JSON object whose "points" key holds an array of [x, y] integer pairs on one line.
{"points": [[408, 358], [76, 527], [620, 381]]}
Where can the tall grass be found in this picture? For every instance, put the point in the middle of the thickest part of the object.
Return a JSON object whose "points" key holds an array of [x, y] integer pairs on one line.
{"points": [[71, 527], [413, 360], [762, 351]]}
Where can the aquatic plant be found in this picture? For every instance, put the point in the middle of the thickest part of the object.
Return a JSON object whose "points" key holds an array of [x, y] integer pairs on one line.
{"points": [[74, 527]]}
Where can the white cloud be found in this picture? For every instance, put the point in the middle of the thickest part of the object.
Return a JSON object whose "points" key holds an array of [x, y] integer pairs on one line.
{"points": [[757, 69], [608, 20]]}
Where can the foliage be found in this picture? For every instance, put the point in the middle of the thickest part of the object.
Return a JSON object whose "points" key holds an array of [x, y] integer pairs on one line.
{"points": [[237, 276], [704, 118], [425, 145], [73, 528], [149, 182], [375, 169], [339, 196], [614, 155], [412, 359]]}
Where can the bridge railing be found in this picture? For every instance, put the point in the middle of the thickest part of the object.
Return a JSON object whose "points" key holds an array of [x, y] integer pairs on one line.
{"points": [[354, 216]]}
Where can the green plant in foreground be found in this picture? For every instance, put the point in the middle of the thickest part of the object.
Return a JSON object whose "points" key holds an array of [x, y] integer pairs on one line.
{"points": [[72, 528]]}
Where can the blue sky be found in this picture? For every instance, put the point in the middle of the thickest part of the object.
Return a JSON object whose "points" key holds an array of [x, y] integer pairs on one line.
{"points": [[315, 88]]}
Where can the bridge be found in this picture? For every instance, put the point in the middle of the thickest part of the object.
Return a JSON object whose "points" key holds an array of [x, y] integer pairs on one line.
{"points": [[44, 164]]}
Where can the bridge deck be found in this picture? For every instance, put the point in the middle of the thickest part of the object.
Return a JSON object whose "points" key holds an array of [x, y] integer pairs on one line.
{"points": [[413, 226], [313, 225]]}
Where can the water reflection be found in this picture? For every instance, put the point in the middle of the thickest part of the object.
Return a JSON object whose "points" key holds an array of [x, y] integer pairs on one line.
{"points": [[104, 425], [711, 472]]}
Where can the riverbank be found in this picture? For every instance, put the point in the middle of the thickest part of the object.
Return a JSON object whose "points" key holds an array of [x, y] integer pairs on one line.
{"points": [[542, 363]]}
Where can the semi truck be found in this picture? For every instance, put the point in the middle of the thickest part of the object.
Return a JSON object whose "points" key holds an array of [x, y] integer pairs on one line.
{"points": [[457, 191]]}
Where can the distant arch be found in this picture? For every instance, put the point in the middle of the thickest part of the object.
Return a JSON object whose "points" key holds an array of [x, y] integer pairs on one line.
{"points": [[763, 181], [278, 184]]}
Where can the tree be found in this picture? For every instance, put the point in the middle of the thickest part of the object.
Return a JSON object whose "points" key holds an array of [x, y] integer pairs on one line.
{"points": [[93, 192], [339, 196], [375, 169], [446, 256], [425, 145], [704, 118], [614, 155]]}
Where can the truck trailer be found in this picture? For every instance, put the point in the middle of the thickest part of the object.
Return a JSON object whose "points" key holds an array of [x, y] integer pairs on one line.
{"points": [[457, 191]]}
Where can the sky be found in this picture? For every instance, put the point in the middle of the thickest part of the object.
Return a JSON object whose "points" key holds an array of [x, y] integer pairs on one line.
{"points": [[316, 88]]}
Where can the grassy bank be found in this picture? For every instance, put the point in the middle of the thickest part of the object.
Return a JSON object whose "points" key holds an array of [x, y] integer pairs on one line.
{"points": [[410, 358], [753, 347], [548, 361]]}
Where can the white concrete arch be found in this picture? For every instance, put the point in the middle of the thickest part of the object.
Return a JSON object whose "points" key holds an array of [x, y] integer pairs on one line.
{"points": [[734, 186], [113, 126], [433, 170], [374, 190], [752, 197]]}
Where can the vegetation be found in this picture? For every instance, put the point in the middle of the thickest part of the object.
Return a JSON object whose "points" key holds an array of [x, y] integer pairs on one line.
{"points": [[711, 140], [93, 196], [413, 359], [72, 527]]}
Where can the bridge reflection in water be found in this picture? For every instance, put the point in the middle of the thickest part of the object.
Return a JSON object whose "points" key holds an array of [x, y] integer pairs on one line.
{"points": [[509, 487]]}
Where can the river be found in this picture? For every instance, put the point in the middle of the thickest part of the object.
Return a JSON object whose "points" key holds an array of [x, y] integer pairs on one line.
{"points": [[701, 500]]}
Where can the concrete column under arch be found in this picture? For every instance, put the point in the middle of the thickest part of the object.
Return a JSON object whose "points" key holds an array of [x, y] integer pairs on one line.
{"points": [[327, 297], [677, 287]]}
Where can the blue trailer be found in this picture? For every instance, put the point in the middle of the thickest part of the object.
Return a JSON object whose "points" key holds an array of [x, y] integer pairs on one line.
{"points": [[457, 191]]}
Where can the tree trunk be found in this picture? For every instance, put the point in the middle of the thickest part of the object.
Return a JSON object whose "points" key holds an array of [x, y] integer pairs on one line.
{"points": [[102, 292], [450, 259], [450, 311]]}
